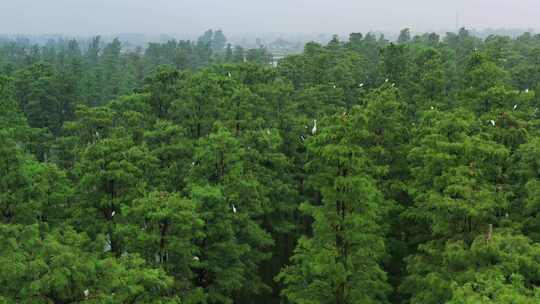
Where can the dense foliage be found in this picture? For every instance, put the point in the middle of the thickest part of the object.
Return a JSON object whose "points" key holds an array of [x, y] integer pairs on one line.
{"points": [[361, 171]]}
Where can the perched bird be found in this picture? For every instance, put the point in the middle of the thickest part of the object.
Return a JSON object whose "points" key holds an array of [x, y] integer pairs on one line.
{"points": [[526, 90], [230, 75], [314, 130], [196, 258], [361, 85], [233, 208], [334, 86], [515, 107], [113, 213], [86, 293], [193, 164], [386, 80], [492, 122], [432, 108], [267, 131], [302, 137], [393, 84]]}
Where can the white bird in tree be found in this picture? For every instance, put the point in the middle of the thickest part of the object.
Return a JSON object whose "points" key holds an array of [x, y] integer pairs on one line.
{"points": [[515, 107], [386, 80], [526, 90], [314, 130], [233, 208], [492, 122], [113, 213], [230, 75], [196, 258], [334, 86], [433, 108], [361, 85], [86, 293], [268, 131]]}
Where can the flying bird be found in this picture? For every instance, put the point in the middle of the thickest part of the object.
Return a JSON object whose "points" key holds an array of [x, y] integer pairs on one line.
{"points": [[314, 130]]}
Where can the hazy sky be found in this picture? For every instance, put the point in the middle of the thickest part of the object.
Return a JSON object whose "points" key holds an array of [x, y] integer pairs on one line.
{"points": [[256, 16]]}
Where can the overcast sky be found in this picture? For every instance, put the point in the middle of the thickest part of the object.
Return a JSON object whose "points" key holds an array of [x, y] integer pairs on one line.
{"points": [[255, 16]]}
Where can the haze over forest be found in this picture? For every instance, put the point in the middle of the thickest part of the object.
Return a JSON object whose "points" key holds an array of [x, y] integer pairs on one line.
{"points": [[90, 17], [278, 152]]}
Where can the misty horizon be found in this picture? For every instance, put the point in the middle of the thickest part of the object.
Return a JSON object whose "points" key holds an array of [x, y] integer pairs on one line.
{"points": [[244, 18]]}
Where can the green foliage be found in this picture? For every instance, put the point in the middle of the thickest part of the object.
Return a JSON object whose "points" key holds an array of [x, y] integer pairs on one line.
{"points": [[360, 171], [64, 266]]}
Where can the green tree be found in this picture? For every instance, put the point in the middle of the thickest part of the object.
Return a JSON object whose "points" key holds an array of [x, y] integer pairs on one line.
{"points": [[340, 261]]}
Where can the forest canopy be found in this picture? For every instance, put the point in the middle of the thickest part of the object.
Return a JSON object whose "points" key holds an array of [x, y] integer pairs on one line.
{"points": [[359, 171]]}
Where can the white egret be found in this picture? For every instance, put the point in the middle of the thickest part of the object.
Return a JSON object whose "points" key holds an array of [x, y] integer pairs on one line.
{"points": [[113, 213], [515, 107], [268, 131], [526, 90], [386, 80], [361, 85], [230, 75], [432, 108], [196, 258], [233, 208], [314, 130], [86, 293], [492, 122]]}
